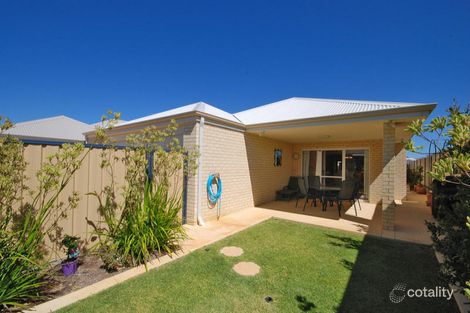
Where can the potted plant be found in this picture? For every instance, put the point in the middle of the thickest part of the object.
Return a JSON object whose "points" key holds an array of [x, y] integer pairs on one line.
{"points": [[414, 177], [69, 266], [429, 198]]}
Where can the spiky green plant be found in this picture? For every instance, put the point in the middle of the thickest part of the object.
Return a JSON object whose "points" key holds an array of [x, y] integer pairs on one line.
{"points": [[147, 222], [152, 228]]}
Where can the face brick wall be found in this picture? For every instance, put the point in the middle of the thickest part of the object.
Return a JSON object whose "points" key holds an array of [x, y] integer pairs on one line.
{"points": [[190, 137], [400, 171], [245, 162], [266, 178], [246, 165]]}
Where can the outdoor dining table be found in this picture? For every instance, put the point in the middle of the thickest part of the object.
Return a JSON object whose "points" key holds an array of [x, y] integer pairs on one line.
{"points": [[324, 191]]}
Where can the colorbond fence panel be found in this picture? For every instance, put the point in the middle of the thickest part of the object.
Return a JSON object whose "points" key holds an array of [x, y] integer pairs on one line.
{"points": [[90, 177], [426, 163]]}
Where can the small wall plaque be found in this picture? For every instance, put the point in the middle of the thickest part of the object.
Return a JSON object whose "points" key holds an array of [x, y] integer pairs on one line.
{"points": [[277, 157]]}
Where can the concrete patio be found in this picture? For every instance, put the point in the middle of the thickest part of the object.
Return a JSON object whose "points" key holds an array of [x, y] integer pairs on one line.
{"points": [[409, 220]]}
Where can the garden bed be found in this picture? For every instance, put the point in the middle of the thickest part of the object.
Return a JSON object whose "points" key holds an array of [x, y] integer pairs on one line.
{"points": [[90, 270]]}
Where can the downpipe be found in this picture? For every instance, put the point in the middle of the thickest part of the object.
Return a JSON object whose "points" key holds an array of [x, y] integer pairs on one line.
{"points": [[200, 220]]}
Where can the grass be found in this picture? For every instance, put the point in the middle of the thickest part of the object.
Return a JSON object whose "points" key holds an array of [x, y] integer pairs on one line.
{"points": [[303, 268]]}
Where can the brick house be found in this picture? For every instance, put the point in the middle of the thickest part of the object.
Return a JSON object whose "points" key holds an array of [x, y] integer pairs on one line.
{"points": [[333, 139]]}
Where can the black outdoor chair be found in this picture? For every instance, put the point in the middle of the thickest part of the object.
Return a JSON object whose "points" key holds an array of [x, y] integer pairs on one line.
{"points": [[290, 191], [314, 189], [345, 194], [303, 193]]}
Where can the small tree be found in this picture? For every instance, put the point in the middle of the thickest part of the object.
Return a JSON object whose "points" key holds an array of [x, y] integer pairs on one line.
{"points": [[449, 136]]}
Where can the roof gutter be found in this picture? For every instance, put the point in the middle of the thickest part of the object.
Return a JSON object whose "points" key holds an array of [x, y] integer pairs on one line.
{"points": [[388, 114], [123, 128]]}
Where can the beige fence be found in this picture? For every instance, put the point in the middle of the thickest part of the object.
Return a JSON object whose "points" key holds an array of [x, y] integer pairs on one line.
{"points": [[90, 177], [426, 163]]}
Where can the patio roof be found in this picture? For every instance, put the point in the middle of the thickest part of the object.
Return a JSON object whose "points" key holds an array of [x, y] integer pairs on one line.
{"points": [[293, 109]]}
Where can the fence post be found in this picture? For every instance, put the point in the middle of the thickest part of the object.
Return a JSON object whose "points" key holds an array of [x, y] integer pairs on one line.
{"points": [[150, 156]]}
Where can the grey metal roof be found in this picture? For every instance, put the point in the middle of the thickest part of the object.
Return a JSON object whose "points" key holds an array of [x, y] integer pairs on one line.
{"points": [[286, 110], [304, 108], [201, 107], [119, 122], [57, 128]]}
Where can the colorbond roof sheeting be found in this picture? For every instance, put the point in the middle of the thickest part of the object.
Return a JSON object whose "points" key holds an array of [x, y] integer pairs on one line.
{"points": [[194, 107], [119, 122], [57, 128], [305, 108]]}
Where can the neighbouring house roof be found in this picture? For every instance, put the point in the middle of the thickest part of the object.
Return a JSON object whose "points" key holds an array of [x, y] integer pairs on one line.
{"points": [[306, 108], [291, 109], [200, 107], [58, 128]]}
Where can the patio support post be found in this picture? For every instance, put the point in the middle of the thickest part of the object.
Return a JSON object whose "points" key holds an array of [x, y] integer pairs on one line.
{"points": [[388, 177]]}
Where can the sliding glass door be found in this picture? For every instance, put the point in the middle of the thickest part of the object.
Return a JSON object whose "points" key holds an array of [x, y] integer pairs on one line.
{"points": [[356, 169], [334, 166]]}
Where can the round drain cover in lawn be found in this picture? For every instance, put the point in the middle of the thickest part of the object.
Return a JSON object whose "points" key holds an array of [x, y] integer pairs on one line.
{"points": [[246, 268], [231, 251]]}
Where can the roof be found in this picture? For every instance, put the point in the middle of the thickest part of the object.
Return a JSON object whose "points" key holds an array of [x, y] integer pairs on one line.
{"points": [[200, 107], [57, 128], [100, 123], [291, 109], [304, 108]]}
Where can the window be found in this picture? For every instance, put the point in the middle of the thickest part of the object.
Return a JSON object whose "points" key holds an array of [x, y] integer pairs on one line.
{"points": [[334, 166]]}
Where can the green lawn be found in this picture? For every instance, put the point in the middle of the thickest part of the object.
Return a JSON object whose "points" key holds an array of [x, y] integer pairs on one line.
{"points": [[303, 268]]}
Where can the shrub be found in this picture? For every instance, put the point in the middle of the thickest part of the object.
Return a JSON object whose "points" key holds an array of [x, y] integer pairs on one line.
{"points": [[146, 222], [154, 226], [450, 137], [22, 267], [414, 176], [451, 236]]}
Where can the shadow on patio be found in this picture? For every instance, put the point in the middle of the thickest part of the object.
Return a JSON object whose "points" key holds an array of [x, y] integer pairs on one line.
{"points": [[367, 219], [409, 219]]}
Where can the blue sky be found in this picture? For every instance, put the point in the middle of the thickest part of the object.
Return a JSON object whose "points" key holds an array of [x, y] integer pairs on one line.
{"points": [[80, 58]]}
